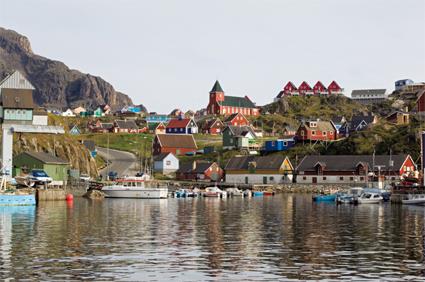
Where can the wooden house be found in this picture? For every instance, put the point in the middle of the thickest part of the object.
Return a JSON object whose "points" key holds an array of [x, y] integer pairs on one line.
{"points": [[200, 171], [353, 169], [178, 144], [334, 88], [238, 137], [165, 163], [213, 126], [40, 117], [305, 89], [182, 126], [16, 105], [77, 111], [125, 126], [220, 104], [74, 129], [398, 118], [316, 130], [68, 113], [271, 169], [319, 89], [236, 119], [156, 128]]}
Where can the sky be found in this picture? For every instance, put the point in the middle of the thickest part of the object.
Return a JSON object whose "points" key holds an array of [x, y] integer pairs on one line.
{"points": [[168, 54]]}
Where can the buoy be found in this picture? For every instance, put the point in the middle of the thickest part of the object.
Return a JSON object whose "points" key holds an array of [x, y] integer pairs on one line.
{"points": [[69, 197]]}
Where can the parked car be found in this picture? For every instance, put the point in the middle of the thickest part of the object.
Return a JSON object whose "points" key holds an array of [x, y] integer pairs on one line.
{"points": [[39, 177]]}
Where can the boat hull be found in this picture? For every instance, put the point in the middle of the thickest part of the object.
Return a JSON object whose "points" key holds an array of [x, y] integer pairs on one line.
{"points": [[17, 200], [140, 193]]}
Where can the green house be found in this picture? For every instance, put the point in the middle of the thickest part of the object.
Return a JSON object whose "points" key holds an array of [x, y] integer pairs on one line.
{"points": [[55, 167]]}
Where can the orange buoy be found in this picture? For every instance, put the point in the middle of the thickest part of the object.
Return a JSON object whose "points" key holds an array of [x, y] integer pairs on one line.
{"points": [[69, 197]]}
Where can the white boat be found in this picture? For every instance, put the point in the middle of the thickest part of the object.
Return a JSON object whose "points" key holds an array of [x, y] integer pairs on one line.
{"points": [[134, 187], [214, 192], [234, 192], [370, 198], [414, 199]]}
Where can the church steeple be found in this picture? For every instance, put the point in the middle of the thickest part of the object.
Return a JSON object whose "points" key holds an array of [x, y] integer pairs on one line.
{"points": [[216, 87]]}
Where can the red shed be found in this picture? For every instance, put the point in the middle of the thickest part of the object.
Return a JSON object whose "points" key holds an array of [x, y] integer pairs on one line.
{"points": [[319, 89], [178, 144], [334, 88]]}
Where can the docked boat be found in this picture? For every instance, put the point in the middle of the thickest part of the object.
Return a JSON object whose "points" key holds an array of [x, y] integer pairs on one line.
{"points": [[134, 187], [324, 198], [268, 193], [349, 197], [370, 197], [234, 192], [414, 199], [247, 193], [214, 192], [257, 193]]}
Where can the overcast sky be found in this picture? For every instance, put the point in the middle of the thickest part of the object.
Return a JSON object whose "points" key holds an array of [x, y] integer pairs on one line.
{"points": [[167, 54]]}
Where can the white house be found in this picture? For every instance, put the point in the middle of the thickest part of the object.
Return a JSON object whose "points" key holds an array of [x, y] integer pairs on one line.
{"points": [[271, 169], [40, 117], [166, 163], [68, 113]]}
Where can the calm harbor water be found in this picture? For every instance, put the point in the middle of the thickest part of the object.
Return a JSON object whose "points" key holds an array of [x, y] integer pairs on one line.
{"points": [[271, 238]]}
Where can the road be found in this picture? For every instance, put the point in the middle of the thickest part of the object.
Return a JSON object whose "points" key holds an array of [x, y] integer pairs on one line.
{"points": [[124, 163]]}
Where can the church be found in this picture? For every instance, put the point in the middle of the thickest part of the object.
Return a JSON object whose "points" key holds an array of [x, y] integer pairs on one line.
{"points": [[227, 105]]}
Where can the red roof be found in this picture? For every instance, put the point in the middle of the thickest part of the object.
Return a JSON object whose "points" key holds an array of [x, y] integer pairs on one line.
{"points": [[289, 86], [304, 86], [319, 86], [334, 86], [178, 123]]}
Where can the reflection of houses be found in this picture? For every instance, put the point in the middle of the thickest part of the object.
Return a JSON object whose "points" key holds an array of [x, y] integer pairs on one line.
{"points": [[199, 171], [352, 168], [55, 167], [165, 163], [272, 169], [178, 144]]}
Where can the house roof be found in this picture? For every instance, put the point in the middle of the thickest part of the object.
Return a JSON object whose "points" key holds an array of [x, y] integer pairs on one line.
{"points": [[356, 120], [89, 144], [188, 167], [178, 123], [154, 125], [106, 125], [46, 158], [126, 124], [321, 125], [216, 87], [39, 112], [16, 80], [211, 122], [374, 92], [350, 162], [271, 162], [161, 156], [241, 102], [17, 98], [177, 141], [232, 116], [240, 130]]}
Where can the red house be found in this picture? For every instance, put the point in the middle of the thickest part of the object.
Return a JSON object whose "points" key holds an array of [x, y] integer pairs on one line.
{"points": [[319, 89], [220, 104], [236, 120], [317, 130], [213, 127], [334, 88], [420, 102], [305, 89], [178, 144], [199, 171]]}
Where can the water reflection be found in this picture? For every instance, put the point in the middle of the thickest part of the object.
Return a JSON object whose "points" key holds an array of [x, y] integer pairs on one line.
{"points": [[286, 236]]}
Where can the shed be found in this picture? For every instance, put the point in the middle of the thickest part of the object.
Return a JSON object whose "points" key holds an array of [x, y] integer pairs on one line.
{"points": [[165, 163]]}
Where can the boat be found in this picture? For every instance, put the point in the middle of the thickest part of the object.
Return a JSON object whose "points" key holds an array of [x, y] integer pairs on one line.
{"points": [[247, 193], [324, 198], [134, 187], [268, 193], [370, 196], [234, 192], [414, 199], [214, 192], [349, 197], [257, 193]]}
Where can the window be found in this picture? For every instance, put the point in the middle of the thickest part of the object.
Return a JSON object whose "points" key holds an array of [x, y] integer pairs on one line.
{"points": [[304, 178], [181, 129], [341, 178], [271, 178], [324, 177], [313, 132], [302, 132], [324, 133], [351, 178], [168, 163], [361, 178]]}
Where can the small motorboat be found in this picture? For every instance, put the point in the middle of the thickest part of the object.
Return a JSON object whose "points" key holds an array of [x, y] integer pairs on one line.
{"points": [[214, 192], [349, 197], [268, 193], [414, 199], [257, 193], [184, 193], [324, 198], [234, 192], [134, 187], [370, 197]]}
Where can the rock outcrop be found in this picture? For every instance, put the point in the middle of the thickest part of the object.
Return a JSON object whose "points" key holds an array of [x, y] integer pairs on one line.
{"points": [[56, 85]]}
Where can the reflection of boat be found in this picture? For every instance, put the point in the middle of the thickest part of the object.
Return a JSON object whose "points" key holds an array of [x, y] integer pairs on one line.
{"points": [[324, 198], [370, 197], [184, 193], [214, 192], [134, 187], [234, 192], [414, 199]]}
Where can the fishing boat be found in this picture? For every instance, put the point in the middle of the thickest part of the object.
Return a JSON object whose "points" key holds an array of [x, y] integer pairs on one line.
{"points": [[414, 199], [234, 192], [134, 187], [324, 198], [214, 192], [370, 197], [349, 197]]}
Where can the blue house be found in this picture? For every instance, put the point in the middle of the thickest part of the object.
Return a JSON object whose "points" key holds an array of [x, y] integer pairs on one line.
{"points": [[279, 145], [182, 126], [158, 118]]}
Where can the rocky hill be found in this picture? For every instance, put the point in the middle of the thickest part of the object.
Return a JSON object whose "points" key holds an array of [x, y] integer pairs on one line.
{"points": [[56, 85]]}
